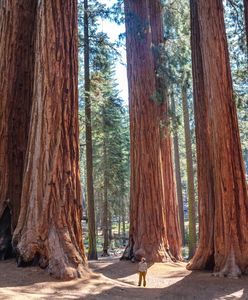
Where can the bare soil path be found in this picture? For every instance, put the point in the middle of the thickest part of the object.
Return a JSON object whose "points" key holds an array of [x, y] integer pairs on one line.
{"points": [[114, 279]]}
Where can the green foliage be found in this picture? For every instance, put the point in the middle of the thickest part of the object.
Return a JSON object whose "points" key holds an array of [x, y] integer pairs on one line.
{"points": [[110, 120]]}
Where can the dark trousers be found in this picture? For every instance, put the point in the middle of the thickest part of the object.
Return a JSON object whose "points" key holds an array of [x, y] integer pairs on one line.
{"points": [[142, 275]]}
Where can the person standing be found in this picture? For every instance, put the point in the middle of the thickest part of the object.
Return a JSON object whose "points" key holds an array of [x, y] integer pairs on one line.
{"points": [[142, 268]]}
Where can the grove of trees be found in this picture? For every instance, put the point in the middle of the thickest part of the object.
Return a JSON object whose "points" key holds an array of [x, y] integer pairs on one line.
{"points": [[83, 173]]}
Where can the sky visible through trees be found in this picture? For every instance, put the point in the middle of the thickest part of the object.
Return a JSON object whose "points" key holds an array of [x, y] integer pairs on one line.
{"points": [[134, 142], [114, 30]]}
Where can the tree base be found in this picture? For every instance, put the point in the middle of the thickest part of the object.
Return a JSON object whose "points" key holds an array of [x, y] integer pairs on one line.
{"points": [[230, 269], [56, 268], [56, 254], [158, 256], [105, 253]]}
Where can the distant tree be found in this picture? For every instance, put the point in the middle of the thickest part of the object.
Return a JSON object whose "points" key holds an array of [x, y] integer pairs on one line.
{"points": [[178, 171], [222, 185], [49, 227], [92, 252], [110, 139], [154, 224], [17, 20], [190, 170]]}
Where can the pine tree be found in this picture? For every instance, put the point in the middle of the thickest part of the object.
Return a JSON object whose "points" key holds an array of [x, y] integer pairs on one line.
{"points": [[92, 252]]}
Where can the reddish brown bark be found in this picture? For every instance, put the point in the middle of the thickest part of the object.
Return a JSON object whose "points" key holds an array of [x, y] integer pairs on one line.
{"points": [[154, 226], [221, 178], [49, 227], [16, 81], [169, 179]]}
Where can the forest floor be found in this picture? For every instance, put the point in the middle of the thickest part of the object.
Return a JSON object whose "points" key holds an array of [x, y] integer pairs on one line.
{"points": [[115, 279]]}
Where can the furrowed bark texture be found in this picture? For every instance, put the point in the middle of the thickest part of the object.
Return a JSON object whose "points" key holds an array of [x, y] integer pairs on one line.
{"points": [[169, 179], [49, 227], [221, 176], [152, 179], [17, 20]]}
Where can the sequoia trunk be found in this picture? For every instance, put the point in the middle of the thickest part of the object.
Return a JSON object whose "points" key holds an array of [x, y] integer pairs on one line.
{"points": [[221, 176], [17, 20], [49, 227], [152, 179]]}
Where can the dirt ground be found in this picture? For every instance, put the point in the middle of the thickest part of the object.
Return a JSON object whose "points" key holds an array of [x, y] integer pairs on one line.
{"points": [[114, 279]]}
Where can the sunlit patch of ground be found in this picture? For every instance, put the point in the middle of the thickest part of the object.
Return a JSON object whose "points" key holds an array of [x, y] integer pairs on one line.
{"points": [[114, 279]]}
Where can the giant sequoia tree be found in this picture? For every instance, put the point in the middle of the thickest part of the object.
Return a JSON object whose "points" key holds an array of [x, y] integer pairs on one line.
{"points": [[49, 228], [154, 228], [221, 177], [16, 81]]}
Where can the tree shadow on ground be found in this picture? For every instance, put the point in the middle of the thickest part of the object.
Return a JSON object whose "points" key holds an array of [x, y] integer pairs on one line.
{"points": [[115, 268], [197, 285], [111, 282], [181, 284]]}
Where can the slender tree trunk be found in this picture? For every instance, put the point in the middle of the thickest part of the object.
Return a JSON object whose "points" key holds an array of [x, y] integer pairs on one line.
{"points": [[17, 23], [123, 223], [178, 174], [246, 21], [190, 173], [221, 176], [92, 253], [119, 217], [105, 204], [119, 226], [110, 226], [150, 148], [49, 227]]}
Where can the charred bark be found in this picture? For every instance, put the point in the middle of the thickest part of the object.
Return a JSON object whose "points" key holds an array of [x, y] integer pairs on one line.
{"points": [[154, 232], [221, 175], [17, 23], [49, 226]]}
